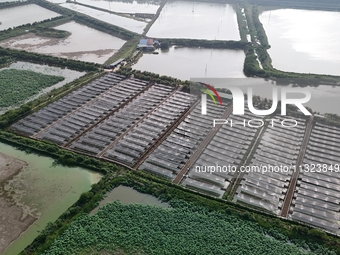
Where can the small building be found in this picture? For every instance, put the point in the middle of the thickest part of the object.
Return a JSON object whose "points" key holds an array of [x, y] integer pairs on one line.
{"points": [[146, 44], [149, 42], [114, 65]]}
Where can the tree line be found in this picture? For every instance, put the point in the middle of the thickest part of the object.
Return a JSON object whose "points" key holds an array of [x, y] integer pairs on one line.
{"points": [[46, 59], [213, 44], [87, 20]]}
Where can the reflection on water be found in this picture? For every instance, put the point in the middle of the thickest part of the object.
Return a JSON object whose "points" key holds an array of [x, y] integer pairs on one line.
{"points": [[324, 98], [184, 63], [303, 41], [20, 15], [126, 23], [197, 20]]}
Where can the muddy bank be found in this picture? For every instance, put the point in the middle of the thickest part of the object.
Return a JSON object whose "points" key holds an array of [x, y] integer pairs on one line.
{"points": [[40, 191], [13, 221], [9, 166], [83, 43]]}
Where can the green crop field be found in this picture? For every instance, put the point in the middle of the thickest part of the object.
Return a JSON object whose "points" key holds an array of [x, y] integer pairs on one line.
{"points": [[183, 229], [16, 86]]}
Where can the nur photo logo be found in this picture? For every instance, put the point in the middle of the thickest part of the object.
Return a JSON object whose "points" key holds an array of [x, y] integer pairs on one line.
{"points": [[206, 90], [282, 100], [239, 100]]}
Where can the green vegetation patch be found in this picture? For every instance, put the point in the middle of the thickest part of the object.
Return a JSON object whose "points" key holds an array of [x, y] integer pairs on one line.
{"points": [[51, 32], [17, 86], [4, 60], [125, 51], [183, 229]]}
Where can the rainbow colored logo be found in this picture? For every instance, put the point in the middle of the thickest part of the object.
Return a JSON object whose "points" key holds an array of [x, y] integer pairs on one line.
{"points": [[205, 90]]}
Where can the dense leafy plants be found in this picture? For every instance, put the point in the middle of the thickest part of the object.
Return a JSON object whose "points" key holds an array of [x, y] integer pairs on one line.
{"points": [[183, 229], [14, 115], [11, 4], [18, 85]]}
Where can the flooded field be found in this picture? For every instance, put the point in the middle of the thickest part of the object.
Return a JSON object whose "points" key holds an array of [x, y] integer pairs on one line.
{"points": [[119, 6], [72, 47], [196, 20], [126, 23], [185, 63], [127, 195], [68, 74], [303, 41], [20, 15], [34, 193]]}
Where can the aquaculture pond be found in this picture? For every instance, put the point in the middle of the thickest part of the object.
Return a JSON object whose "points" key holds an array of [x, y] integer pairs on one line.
{"points": [[305, 41], [37, 192]]}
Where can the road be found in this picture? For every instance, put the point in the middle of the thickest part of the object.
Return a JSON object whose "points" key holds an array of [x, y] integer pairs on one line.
{"points": [[291, 189], [200, 148]]}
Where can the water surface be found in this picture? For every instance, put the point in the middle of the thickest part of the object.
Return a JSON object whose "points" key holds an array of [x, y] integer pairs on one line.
{"points": [[84, 43], [119, 6], [185, 63], [126, 23], [196, 20], [127, 195], [45, 190], [303, 41], [20, 15], [324, 98]]}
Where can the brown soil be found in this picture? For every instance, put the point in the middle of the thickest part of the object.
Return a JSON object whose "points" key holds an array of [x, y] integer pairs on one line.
{"points": [[9, 166], [8, 43], [12, 222]]}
